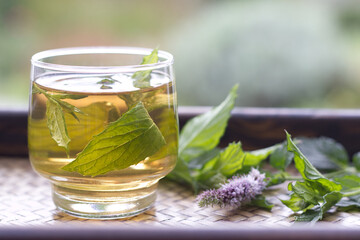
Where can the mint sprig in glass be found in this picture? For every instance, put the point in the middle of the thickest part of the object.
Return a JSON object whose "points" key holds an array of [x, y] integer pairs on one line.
{"points": [[103, 127]]}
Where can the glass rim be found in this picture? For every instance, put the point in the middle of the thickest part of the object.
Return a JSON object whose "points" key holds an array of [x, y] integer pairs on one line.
{"points": [[37, 59]]}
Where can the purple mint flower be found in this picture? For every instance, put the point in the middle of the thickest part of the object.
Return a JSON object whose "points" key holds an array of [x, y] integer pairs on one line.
{"points": [[235, 192]]}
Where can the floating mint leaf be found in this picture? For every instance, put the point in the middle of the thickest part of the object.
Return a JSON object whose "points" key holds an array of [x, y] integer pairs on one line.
{"points": [[68, 96], [105, 87], [54, 107], [142, 78], [125, 142], [56, 124], [106, 81]]}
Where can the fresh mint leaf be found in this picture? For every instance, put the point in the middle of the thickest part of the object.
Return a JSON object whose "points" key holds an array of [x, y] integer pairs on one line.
{"points": [[200, 161], [261, 202], [125, 142], [324, 153], [54, 107], [316, 194], [203, 133], [230, 160], [312, 215], [348, 182], [306, 191], [349, 204], [106, 81], [105, 87], [277, 178], [356, 160], [254, 158], [225, 164], [56, 124], [142, 78], [307, 170], [316, 214], [296, 203], [280, 158], [197, 147]]}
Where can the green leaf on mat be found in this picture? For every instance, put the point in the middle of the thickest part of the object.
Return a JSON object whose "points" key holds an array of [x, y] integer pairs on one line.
{"points": [[316, 194], [203, 133], [280, 158], [260, 201], [324, 153], [356, 160]]}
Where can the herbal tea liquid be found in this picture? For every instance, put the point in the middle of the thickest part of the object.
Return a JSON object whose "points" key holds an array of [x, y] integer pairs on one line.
{"points": [[100, 103]]}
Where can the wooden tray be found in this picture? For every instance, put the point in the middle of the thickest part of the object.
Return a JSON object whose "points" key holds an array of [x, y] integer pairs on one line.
{"points": [[27, 211]]}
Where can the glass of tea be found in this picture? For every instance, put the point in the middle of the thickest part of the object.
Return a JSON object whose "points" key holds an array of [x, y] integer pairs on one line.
{"points": [[103, 127]]}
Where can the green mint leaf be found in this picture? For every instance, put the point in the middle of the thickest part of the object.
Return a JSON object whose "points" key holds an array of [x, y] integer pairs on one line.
{"points": [[312, 215], [203, 133], [356, 160], [199, 162], [223, 165], [348, 182], [303, 165], [296, 203], [316, 194], [349, 204], [307, 170], [254, 158], [106, 81], [307, 191], [60, 136], [330, 199], [324, 153], [142, 78], [261, 202], [105, 87], [230, 160], [56, 124], [316, 214], [281, 158], [277, 178], [125, 142]]}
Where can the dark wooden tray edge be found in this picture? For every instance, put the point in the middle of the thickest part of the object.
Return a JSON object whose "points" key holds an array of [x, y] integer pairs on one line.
{"points": [[254, 127]]}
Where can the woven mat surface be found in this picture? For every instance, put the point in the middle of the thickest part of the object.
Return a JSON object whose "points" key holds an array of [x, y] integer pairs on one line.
{"points": [[25, 200]]}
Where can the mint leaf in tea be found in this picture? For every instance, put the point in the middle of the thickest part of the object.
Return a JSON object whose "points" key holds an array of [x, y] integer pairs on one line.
{"points": [[125, 142]]}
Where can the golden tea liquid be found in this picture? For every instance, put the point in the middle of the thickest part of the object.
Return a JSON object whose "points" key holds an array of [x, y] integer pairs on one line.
{"points": [[101, 104]]}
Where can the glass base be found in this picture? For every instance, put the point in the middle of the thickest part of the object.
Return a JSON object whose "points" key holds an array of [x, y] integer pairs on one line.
{"points": [[103, 204]]}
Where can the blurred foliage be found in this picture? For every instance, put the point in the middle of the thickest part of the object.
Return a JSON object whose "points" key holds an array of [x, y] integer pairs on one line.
{"points": [[282, 53]]}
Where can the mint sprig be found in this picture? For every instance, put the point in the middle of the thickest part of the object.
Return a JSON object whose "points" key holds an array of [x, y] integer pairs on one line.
{"points": [[203, 166], [125, 142], [55, 107]]}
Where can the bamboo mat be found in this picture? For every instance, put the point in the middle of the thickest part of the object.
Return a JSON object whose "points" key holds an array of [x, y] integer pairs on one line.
{"points": [[25, 200]]}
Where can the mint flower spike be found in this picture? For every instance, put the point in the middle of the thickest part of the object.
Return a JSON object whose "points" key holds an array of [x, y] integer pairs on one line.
{"points": [[235, 192]]}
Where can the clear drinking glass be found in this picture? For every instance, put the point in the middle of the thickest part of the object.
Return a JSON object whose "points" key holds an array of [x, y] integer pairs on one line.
{"points": [[85, 98]]}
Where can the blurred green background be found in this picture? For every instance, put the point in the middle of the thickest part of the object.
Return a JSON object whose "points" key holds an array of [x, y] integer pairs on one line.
{"points": [[299, 53]]}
